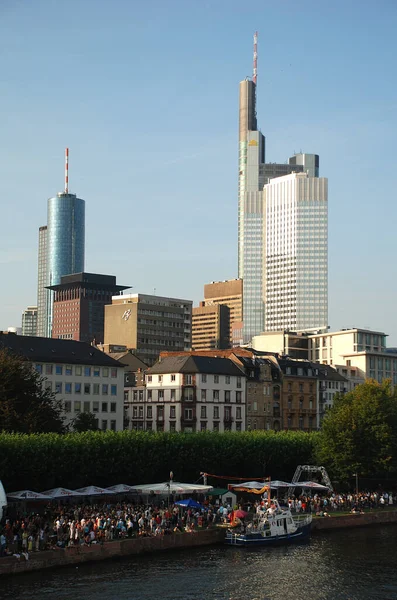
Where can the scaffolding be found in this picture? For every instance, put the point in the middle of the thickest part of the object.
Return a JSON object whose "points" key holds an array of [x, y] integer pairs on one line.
{"points": [[309, 469]]}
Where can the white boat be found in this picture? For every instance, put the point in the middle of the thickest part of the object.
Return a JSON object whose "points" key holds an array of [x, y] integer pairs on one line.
{"points": [[275, 525]]}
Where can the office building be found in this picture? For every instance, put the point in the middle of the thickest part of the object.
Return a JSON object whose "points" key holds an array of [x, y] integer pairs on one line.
{"points": [[42, 292], [255, 261], [227, 293], [62, 243], [148, 324], [210, 327], [29, 321], [79, 306], [296, 253], [83, 378]]}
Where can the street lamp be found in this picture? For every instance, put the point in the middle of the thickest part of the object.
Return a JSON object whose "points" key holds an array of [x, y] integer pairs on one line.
{"points": [[169, 487], [356, 476]]}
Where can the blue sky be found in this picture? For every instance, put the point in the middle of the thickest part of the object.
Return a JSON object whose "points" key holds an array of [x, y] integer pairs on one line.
{"points": [[145, 94]]}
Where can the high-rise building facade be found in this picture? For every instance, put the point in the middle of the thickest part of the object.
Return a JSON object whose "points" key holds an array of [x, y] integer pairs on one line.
{"points": [[29, 321], [64, 240], [149, 324], [42, 292], [79, 306], [227, 293], [306, 231], [210, 327], [296, 253]]}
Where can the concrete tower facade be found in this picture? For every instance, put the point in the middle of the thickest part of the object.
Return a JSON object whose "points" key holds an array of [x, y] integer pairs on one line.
{"points": [[42, 292]]}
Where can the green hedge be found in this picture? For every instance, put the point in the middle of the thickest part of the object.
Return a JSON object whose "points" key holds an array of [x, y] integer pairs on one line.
{"points": [[43, 461]]}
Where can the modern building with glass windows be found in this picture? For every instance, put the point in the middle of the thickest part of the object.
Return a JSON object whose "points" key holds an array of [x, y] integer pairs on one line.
{"points": [[29, 321], [42, 292], [65, 242], [296, 253]]}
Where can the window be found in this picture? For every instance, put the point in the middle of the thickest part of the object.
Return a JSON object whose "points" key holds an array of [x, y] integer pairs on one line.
{"points": [[140, 395], [87, 407], [149, 426], [134, 412], [95, 389], [149, 395], [87, 371], [204, 378], [140, 412], [239, 382], [68, 406], [78, 371], [160, 378], [172, 427], [172, 395], [216, 426], [188, 379], [77, 388], [104, 425], [215, 395], [238, 412], [203, 412], [172, 412], [203, 426], [87, 388], [39, 368], [95, 407], [58, 387], [188, 414], [113, 390], [149, 378], [173, 378], [301, 387], [58, 369], [113, 372], [135, 396], [227, 379], [113, 407], [68, 388], [188, 394], [227, 395], [216, 378], [149, 412], [113, 425], [68, 369], [255, 406], [48, 369], [238, 426], [104, 407], [77, 406], [105, 389], [105, 372], [216, 412], [203, 395], [97, 371], [238, 397], [161, 395]]}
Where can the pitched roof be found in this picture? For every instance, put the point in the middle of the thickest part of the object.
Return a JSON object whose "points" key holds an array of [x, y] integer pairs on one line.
{"points": [[51, 350], [132, 362], [196, 364]]}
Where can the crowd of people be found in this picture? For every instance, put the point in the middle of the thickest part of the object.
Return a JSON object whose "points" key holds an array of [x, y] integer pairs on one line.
{"points": [[73, 525]]}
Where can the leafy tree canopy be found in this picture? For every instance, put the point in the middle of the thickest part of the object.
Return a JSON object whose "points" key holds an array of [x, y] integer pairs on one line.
{"points": [[85, 421], [26, 406], [359, 433]]}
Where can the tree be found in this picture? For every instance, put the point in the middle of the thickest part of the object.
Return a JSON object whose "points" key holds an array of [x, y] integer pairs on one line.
{"points": [[26, 406], [359, 433], [85, 421]]}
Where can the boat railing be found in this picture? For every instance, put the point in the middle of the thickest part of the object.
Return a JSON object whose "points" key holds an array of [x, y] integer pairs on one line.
{"points": [[304, 519]]}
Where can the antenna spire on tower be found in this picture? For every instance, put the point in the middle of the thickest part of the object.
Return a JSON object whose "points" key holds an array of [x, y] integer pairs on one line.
{"points": [[66, 170], [255, 72]]}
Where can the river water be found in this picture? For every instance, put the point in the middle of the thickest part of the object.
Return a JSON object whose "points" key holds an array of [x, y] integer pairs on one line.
{"points": [[345, 565]]}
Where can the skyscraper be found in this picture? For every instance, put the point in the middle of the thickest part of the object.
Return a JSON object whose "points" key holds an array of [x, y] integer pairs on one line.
{"points": [[42, 292], [64, 243], [296, 253], [29, 321], [254, 174]]}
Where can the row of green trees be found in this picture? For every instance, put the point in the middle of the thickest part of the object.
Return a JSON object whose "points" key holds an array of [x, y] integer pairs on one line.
{"points": [[358, 435]]}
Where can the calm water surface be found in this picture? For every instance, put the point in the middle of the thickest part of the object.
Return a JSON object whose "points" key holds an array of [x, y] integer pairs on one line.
{"points": [[355, 565]]}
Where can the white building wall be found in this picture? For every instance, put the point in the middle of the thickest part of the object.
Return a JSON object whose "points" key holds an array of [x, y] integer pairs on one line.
{"points": [[95, 389]]}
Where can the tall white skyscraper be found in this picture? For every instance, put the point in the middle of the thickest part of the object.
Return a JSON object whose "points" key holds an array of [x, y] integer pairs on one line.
{"points": [[295, 252]]}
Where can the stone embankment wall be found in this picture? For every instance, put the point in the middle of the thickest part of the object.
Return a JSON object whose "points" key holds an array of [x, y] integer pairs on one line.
{"points": [[76, 555], [348, 521]]}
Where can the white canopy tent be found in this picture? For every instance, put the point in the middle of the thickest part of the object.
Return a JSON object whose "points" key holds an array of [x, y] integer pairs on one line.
{"points": [[28, 495], [310, 485], [93, 490], [121, 488], [60, 492], [171, 487]]}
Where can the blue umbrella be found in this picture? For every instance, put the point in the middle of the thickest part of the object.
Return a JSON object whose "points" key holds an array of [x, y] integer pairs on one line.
{"points": [[189, 503]]}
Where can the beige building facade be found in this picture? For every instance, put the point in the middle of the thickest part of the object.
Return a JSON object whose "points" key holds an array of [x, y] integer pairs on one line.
{"points": [[210, 327]]}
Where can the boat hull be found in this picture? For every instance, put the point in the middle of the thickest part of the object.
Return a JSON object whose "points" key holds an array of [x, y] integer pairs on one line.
{"points": [[256, 539]]}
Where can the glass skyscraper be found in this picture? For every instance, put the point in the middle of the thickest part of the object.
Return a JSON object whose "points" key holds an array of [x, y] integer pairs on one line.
{"points": [[65, 242]]}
